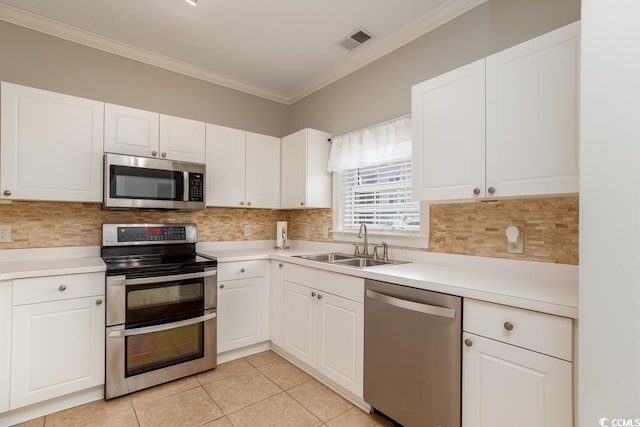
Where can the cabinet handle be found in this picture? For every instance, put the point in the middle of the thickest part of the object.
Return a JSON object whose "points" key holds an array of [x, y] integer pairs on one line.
{"points": [[7, 193], [221, 285], [476, 190], [154, 153], [301, 203], [62, 288], [468, 342], [248, 203], [242, 270], [313, 294], [164, 154], [491, 190], [99, 301], [508, 326], [280, 265], [319, 296]]}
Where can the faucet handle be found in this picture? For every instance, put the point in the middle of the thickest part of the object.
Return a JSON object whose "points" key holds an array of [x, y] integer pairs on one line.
{"points": [[385, 251], [375, 252], [356, 250]]}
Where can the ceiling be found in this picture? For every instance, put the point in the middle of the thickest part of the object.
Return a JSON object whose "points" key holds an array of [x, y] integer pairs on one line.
{"points": [[281, 49]]}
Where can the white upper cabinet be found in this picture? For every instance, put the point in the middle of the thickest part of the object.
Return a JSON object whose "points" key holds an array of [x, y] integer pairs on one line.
{"points": [[243, 168], [51, 146], [182, 139], [449, 135], [530, 144], [148, 134], [532, 116], [305, 182]]}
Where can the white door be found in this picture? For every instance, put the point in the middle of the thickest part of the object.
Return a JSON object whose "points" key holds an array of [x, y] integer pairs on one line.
{"points": [[131, 131], [263, 171], [57, 348], [532, 116], [225, 166], [51, 146], [294, 170], [341, 334], [275, 296], [300, 328], [504, 385], [243, 313], [448, 114], [182, 139]]}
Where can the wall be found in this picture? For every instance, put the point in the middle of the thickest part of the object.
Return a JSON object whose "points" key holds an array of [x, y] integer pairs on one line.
{"points": [[609, 372], [35, 59], [549, 226], [382, 90]]}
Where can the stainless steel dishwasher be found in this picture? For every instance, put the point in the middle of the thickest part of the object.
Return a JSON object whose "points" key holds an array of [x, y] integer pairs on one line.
{"points": [[412, 348]]}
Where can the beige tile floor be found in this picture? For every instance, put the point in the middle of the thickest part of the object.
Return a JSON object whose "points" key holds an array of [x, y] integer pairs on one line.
{"points": [[259, 390]]}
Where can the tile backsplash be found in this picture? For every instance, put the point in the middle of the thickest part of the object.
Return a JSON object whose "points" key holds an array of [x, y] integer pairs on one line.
{"points": [[549, 225]]}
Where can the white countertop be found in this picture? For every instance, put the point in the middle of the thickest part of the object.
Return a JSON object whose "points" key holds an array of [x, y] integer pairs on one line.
{"points": [[544, 287], [22, 263]]}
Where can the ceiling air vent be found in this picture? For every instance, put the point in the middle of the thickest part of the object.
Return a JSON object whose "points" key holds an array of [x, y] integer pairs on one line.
{"points": [[355, 40]]}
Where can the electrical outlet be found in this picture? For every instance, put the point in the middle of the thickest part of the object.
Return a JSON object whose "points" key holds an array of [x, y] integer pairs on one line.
{"points": [[307, 233], [325, 231], [246, 230], [5, 233]]}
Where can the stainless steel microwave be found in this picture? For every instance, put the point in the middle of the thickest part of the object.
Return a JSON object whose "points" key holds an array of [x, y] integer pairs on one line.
{"points": [[141, 182]]}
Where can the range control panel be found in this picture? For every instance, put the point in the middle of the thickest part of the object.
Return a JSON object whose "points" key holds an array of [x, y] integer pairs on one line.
{"points": [[122, 234]]}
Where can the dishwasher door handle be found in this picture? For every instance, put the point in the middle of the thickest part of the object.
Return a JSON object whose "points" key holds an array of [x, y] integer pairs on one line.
{"points": [[413, 306]]}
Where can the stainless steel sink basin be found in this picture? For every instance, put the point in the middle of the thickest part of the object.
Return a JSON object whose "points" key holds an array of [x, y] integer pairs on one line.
{"points": [[348, 260]]}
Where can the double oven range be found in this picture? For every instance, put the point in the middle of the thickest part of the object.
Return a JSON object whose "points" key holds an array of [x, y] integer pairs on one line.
{"points": [[161, 306]]}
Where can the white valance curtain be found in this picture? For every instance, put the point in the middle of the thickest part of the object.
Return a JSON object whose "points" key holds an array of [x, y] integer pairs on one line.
{"points": [[382, 143]]}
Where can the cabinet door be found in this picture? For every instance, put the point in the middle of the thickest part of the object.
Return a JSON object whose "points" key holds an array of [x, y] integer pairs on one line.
{"points": [[181, 139], [225, 166], [57, 348], [5, 339], [532, 116], [51, 146], [300, 326], [503, 385], [294, 170], [243, 313], [263, 171], [131, 131], [341, 335], [275, 296], [449, 135]]}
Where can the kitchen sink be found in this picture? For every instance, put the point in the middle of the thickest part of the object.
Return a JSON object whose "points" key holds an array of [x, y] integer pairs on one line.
{"points": [[346, 260]]}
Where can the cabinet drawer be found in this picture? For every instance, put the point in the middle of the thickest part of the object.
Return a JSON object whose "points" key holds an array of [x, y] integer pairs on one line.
{"points": [[55, 288], [342, 285], [241, 269], [305, 276], [544, 333]]}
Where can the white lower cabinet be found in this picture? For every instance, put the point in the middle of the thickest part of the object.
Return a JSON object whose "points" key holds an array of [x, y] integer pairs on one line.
{"points": [[57, 346], [504, 384], [321, 329], [243, 304]]}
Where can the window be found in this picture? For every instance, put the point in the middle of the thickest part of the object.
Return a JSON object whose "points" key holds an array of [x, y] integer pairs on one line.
{"points": [[372, 185]]}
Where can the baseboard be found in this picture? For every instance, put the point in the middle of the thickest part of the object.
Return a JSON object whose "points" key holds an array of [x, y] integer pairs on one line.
{"points": [[243, 352]]}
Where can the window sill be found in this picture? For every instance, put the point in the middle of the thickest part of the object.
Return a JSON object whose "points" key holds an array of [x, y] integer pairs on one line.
{"points": [[416, 240]]}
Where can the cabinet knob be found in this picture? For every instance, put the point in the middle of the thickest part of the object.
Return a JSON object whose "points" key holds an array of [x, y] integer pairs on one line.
{"points": [[99, 301], [248, 203], [319, 296], [280, 265], [476, 190], [313, 294], [164, 154], [7, 193], [301, 203], [154, 153], [491, 190], [508, 326], [241, 203], [468, 342], [62, 288], [221, 285], [242, 270]]}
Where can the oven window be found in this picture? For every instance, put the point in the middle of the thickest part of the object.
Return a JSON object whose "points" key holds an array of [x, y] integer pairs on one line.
{"points": [[156, 350], [171, 300], [150, 184]]}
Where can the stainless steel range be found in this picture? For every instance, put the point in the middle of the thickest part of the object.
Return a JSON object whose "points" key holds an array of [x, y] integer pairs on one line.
{"points": [[161, 306]]}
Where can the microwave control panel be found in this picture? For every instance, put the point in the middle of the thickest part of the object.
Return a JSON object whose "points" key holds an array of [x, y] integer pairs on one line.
{"points": [[196, 187]]}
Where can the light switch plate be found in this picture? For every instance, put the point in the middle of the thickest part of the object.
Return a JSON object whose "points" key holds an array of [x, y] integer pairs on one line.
{"points": [[325, 231], [246, 230], [307, 233], [5, 233]]}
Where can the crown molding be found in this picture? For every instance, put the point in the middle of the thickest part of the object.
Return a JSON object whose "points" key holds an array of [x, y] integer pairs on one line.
{"points": [[446, 12], [49, 26], [432, 20]]}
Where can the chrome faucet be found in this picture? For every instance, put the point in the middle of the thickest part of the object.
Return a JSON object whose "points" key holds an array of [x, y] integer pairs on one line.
{"points": [[366, 239]]}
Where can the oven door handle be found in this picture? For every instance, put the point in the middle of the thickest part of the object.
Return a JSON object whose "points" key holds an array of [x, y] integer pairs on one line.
{"points": [[123, 281], [158, 328]]}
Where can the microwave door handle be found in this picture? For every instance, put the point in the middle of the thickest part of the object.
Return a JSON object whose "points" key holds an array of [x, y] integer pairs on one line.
{"points": [[123, 281], [185, 194], [159, 328]]}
